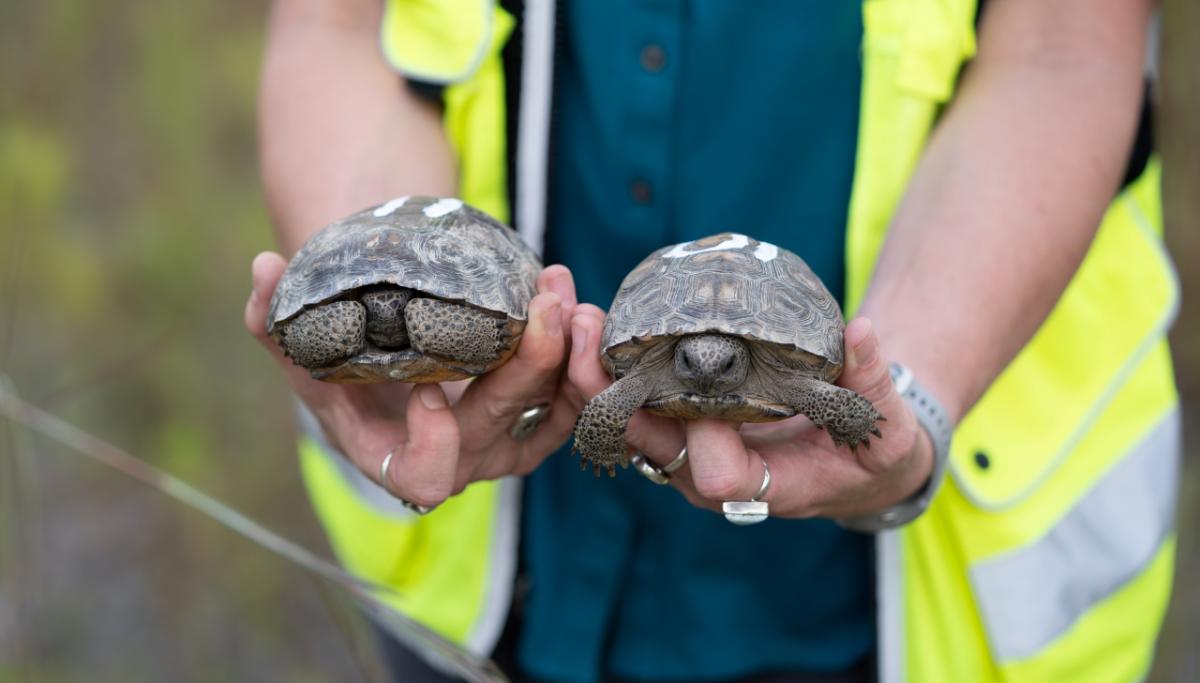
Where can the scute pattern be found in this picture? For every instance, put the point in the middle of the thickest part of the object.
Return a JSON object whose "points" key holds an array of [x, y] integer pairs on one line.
{"points": [[729, 290], [461, 254]]}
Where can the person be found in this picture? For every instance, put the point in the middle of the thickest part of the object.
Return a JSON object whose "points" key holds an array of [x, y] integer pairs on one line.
{"points": [[966, 181]]}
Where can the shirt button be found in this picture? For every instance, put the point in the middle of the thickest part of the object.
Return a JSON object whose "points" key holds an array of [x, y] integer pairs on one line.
{"points": [[640, 191], [653, 58]]}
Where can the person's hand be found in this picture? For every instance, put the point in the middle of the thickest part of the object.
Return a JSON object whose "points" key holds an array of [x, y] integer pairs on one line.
{"points": [[810, 477], [442, 439]]}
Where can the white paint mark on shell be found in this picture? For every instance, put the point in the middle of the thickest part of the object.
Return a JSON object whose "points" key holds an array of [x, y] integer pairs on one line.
{"points": [[766, 251], [387, 209], [442, 207], [735, 241]]}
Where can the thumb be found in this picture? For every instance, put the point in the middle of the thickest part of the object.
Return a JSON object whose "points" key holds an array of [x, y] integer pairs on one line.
{"points": [[265, 272], [866, 371]]}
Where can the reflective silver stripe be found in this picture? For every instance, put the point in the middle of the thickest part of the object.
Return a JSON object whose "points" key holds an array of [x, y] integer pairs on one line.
{"points": [[502, 571], [889, 575], [1030, 597], [533, 121]]}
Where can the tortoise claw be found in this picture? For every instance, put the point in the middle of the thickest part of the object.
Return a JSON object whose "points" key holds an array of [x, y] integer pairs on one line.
{"points": [[876, 432]]}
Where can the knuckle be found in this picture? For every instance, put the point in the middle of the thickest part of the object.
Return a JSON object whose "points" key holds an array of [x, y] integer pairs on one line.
{"points": [[499, 408], [547, 359], [879, 386]]}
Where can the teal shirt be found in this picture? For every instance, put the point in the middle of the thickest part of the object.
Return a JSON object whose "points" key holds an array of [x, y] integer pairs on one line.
{"points": [[674, 120]]}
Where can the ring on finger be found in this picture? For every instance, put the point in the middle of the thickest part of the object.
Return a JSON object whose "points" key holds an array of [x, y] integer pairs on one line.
{"points": [[384, 481], [528, 421], [659, 475], [753, 511]]}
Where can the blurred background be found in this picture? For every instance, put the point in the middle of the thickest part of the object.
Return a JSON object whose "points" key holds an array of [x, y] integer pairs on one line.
{"points": [[129, 212]]}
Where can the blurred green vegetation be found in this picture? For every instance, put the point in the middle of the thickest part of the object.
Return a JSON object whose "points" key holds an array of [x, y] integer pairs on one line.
{"points": [[129, 212]]}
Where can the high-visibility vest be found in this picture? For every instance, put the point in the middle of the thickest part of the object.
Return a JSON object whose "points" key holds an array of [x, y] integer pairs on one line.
{"points": [[1046, 556]]}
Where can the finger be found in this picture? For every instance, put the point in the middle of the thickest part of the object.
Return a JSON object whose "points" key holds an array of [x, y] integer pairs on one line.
{"points": [[866, 370], [424, 468], [265, 271], [659, 438], [584, 368], [558, 279], [492, 402], [867, 374], [722, 468]]}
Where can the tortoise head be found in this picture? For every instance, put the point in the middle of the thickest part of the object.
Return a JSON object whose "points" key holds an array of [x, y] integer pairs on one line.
{"points": [[711, 364]]}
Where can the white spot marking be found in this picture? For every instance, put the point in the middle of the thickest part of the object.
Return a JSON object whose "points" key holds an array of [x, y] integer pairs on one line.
{"points": [[442, 207], [734, 242], [766, 251], [387, 209]]}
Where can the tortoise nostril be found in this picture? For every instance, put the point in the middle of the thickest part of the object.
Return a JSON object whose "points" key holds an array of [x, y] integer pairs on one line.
{"points": [[728, 364]]}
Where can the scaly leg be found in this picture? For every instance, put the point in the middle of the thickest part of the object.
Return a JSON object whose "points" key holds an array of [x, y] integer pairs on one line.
{"points": [[324, 335], [848, 417], [460, 333], [600, 430]]}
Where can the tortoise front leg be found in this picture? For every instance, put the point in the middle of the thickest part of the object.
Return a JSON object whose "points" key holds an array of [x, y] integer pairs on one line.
{"points": [[455, 331], [600, 430], [848, 417], [324, 335]]}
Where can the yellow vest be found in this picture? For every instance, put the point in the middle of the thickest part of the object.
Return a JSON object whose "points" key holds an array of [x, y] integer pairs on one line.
{"points": [[1046, 556]]}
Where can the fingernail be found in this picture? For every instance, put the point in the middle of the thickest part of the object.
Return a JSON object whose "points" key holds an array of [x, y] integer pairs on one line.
{"points": [[431, 397], [579, 339]]}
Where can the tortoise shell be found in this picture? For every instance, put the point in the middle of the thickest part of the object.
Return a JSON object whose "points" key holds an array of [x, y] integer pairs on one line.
{"points": [[442, 247], [729, 284]]}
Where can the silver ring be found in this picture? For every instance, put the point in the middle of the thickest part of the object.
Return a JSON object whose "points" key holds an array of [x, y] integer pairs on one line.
{"points": [[750, 511], [675, 464], [383, 471], [766, 482], [658, 475], [383, 481], [528, 421]]}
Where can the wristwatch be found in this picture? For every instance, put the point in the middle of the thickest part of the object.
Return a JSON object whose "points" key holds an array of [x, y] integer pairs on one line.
{"points": [[936, 422]]}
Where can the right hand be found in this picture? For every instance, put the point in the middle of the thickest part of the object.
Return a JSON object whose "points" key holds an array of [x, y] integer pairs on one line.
{"points": [[451, 434]]}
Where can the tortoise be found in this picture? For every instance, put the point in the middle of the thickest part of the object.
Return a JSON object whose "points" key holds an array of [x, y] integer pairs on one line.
{"points": [[722, 327], [418, 289]]}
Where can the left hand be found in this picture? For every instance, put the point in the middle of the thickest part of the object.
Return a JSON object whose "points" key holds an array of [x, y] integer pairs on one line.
{"points": [[810, 476]]}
